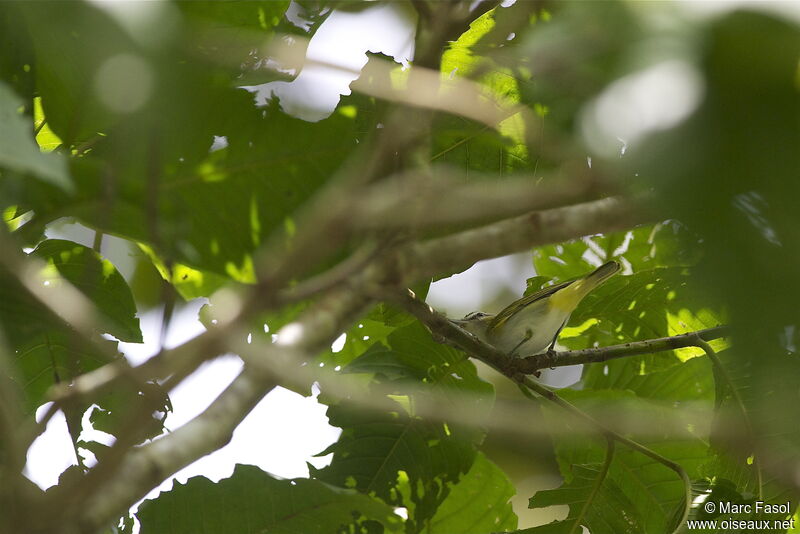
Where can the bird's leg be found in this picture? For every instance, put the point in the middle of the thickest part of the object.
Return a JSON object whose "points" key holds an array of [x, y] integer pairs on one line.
{"points": [[551, 350], [528, 336]]}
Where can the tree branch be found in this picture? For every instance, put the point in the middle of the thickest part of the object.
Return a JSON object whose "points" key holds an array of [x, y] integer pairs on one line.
{"points": [[446, 329], [532, 364], [411, 263], [413, 200], [146, 466], [456, 252]]}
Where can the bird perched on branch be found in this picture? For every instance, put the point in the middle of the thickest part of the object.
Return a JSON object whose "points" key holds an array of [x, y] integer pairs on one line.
{"points": [[531, 324]]}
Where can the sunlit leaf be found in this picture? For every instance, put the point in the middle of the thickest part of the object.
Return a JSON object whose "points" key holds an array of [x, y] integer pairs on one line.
{"points": [[19, 152], [478, 504], [99, 280]]}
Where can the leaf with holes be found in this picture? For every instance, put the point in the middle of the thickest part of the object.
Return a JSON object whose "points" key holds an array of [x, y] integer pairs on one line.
{"points": [[254, 501], [478, 504], [648, 304], [382, 452]]}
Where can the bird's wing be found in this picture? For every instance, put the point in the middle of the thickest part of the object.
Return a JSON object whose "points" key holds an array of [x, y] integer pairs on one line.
{"points": [[527, 300]]}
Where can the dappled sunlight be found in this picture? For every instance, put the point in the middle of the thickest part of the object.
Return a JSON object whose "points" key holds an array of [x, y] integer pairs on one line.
{"points": [[236, 236]]}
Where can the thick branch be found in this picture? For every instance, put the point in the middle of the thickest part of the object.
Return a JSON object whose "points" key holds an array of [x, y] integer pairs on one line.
{"points": [[411, 201], [457, 252], [413, 262]]}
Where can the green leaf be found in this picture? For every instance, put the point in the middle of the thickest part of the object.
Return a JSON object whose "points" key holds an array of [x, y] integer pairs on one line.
{"points": [[17, 54], [233, 33], [378, 453], [18, 150], [470, 145], [649, 492], [603, 510], [46, 355], [393, 316], [256, 15], [741, 508], [98, 279], [753, 470], [692, 380], [403, 459], [46, 139], [569, 53], [665, 244], [202, 208], [117, 408], [254, 501], [359, 338], [732, 177], [46, 350], [648, 304], [68, 66], [215, 211], [189, 283], [444, 371], [478, 503], [535, 283]]}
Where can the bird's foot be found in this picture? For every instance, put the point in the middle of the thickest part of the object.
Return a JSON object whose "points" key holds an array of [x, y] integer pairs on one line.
{"points": [[550, 354]]}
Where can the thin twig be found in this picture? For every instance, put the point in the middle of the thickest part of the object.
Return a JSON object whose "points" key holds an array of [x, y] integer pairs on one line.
{"points": [[97, 243], [39, 127], [722, 372], [545, 360], [601, 476]]}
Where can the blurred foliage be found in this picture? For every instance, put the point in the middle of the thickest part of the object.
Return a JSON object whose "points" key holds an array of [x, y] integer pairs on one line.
{"points": [[143, 127], [47, 349]]}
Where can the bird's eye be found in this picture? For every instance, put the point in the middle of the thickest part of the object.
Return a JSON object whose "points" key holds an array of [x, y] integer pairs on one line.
{"points": [[474, 315]]}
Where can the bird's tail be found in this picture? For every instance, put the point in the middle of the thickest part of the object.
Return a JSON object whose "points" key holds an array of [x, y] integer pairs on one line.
{"points": [[568, 298]]}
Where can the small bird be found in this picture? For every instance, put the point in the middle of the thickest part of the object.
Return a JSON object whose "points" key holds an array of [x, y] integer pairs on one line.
{"points": [[531, 324]]}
